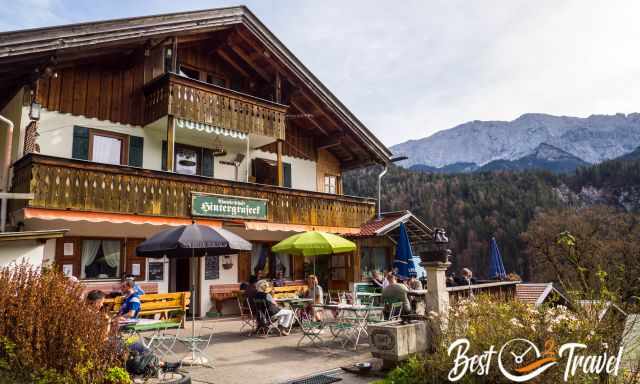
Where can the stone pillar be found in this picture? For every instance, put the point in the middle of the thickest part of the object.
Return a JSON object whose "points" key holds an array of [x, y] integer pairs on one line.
{"points": [[437, 295]]}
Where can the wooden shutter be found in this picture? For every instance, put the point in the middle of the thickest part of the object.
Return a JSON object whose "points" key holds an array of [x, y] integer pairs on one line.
{"points": [[207, 162], [132, 258], [164, 155], [286, 167], [80, 143], [136, 144]]}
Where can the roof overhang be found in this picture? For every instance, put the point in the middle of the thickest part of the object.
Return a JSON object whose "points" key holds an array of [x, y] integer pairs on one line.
{"points": [[45, 43], [32, 235]]}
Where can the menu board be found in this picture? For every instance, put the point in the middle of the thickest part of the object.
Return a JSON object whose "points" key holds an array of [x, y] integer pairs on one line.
{"points": [[211, 268], [156, 271]]}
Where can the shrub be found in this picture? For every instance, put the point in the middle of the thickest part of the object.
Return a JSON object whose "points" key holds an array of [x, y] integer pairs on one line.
{"points": [[489, 321], [47, 333]]}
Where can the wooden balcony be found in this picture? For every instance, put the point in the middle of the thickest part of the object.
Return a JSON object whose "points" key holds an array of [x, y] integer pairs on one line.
{"points": [[68, 184], [204, 103]]}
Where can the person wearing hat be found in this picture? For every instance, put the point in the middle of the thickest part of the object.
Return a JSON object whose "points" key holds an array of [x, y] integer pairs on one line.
{"points": [[284, 316]]}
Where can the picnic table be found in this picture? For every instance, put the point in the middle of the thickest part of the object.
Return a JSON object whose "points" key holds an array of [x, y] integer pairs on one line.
{"points": [[350, 321]]}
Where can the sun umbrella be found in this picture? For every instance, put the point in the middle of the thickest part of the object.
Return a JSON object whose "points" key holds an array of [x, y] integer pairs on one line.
{"points": [[314, 243], [497, 270], [403, 263], [192, 241]]}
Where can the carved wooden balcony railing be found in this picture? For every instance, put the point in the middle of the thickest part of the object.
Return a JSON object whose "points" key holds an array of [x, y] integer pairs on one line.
{"points": [[85, 186], [216, 106]]}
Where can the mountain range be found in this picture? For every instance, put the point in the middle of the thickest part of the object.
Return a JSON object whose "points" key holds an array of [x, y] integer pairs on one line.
{"points": [[532, 141]]}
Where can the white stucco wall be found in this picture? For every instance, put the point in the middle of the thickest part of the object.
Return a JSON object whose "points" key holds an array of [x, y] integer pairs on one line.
{"points": [[227, 276], [56, 136], [31, 251], [303, 172]]}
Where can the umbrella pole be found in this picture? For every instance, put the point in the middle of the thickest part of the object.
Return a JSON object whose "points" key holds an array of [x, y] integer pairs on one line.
{"points": [[193, 307]]}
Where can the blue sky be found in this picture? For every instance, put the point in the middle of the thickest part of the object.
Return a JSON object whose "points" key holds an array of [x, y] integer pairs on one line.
{"points": [[410, 68]]}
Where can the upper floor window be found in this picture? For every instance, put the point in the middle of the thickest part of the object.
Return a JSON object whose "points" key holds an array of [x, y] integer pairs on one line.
{"points": [[331, 184], [106, 147]]}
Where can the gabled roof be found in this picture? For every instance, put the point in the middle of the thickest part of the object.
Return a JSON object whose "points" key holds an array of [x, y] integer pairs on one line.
{"points": [[419, 233], [42, 43], [537, 293]]}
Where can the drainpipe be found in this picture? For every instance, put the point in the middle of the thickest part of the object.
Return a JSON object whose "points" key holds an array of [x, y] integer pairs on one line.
{"points": [[6, 166], [384, 172]]}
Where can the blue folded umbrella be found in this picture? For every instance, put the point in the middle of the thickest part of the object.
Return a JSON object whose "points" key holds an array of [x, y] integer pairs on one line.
{"points": [[403, 263], [496, 270]]}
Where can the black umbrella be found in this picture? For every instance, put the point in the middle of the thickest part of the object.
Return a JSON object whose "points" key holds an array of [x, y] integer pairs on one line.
{"points": [[192, 241]]}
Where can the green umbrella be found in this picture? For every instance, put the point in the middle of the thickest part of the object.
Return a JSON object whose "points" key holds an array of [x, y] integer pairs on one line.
{"points": [[314, 243]]}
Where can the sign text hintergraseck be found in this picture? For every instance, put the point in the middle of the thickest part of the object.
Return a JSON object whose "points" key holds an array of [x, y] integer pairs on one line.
{"points": [[228, 207]]}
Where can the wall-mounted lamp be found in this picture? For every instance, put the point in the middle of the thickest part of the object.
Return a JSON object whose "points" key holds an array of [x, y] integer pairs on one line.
{"points": [[34, 111]]}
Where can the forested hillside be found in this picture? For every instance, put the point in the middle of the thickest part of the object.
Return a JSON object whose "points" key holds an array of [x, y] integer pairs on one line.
{"points": [[475, 206]]}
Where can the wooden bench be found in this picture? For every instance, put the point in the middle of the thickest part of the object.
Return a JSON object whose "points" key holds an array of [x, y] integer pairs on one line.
{"points": [[162, 303], [220, 293], [289, 291]]}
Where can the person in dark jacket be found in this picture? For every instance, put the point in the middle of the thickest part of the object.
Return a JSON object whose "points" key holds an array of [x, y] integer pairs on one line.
{"points": [[284, 316]]}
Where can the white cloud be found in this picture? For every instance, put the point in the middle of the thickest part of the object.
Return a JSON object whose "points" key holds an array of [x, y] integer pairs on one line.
{"points": [[408, 69]]}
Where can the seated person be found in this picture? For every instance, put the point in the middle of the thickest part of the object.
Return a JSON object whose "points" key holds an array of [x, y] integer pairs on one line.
{"points": [[284, 316], [377, 279], [279, 280], [95, 300], [414, 285], [395, 292], [131, 305], [467, 277], [137, 288], [315, 293]]}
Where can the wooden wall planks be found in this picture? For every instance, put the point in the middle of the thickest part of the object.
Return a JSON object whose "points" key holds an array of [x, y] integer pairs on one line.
{"points": [[102, 92]]}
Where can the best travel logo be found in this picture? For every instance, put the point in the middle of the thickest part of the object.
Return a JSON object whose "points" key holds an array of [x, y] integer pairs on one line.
{"points": [[520, 360]]}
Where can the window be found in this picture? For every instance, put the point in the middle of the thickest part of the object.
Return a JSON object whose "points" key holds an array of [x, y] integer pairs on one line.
{"points": [[100, 259], [373, 259], [107, 147], [330, 184], [268, 263], [187, 160], [190, 72]]}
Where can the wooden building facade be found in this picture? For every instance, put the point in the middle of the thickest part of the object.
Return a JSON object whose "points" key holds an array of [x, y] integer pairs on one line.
{"points": [[119, 125]]}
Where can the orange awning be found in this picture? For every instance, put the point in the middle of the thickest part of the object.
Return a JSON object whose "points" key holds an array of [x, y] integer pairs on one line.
{"points": [[264, 226], [116, 218]]}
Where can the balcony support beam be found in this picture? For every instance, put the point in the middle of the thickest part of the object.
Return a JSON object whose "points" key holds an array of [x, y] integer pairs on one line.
{"points": [[171, 142], [280, 165]]}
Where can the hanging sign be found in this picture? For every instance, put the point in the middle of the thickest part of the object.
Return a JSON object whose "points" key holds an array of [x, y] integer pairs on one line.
{"points": [[223, 206]]}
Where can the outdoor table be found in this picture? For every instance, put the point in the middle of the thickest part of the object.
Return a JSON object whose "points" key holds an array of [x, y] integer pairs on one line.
{"points": [[158, 342], [359, 318], [288, 301]]}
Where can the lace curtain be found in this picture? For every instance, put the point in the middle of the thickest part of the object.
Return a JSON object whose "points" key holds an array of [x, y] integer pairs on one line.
{"points": [[89, 251], [111, 250]]}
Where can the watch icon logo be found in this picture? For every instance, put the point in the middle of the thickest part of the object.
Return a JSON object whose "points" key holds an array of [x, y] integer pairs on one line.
{"points": [[527, 361]]}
